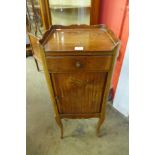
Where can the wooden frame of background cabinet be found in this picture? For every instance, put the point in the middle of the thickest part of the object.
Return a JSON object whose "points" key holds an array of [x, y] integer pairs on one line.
{"points": [[47, 19], [45, 14]]}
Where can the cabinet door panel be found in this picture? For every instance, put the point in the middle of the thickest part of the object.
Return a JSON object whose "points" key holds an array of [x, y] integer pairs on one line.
{"points": [[78, 93]]}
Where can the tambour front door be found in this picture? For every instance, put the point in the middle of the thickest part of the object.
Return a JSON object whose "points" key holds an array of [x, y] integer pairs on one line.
{"points": [[79, 92]]}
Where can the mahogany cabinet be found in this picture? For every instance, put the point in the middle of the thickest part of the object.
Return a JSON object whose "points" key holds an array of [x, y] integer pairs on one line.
{"points": [[78, 62]]}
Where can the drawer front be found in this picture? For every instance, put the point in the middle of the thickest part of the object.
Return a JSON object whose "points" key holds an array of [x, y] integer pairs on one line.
{"points": [[78, 63]]}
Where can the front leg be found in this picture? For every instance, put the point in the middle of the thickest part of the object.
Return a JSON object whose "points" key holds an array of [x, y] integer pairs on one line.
{"points": [[101, 120]]}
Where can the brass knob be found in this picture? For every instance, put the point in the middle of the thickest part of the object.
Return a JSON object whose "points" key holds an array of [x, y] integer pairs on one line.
{"points": [[78, 64]]}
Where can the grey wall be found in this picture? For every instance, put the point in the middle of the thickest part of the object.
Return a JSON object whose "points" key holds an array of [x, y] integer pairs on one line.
{"points": [[121, 100]]}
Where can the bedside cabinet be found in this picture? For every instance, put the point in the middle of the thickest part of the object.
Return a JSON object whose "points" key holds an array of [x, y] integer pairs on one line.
{"points": [[78, 62]]}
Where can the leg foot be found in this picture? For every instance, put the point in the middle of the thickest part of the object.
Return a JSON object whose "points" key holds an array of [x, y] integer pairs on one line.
{"points": [[101, 120], [58, 120]]}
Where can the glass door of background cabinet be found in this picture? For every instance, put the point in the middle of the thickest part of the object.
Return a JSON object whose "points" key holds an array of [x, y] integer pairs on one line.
{"points": [[68, 12]]}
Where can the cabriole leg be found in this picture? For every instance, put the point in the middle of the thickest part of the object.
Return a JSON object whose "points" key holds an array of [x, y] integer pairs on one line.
{"points": [[100, 122], [58, 120]]}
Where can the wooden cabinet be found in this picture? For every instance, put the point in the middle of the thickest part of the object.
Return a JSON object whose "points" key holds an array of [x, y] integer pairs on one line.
{"points": [[78, 62]]}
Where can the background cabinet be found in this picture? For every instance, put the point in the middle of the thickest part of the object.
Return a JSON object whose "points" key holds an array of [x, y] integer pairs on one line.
{"points": [[41, 14]]}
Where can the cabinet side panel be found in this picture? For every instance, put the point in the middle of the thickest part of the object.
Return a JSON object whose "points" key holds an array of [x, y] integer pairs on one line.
{"points": [[55, 93]]}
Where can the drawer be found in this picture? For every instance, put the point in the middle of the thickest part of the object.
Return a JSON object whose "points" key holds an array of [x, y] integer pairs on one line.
{"points": [[78, 63]]}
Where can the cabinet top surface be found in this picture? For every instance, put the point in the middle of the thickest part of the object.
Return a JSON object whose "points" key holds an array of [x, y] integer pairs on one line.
{"points": [[79, 38]]}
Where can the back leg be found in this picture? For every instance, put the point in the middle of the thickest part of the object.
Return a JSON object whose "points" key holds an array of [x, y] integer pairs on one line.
{"points": [[58, 120], [37, 65]]}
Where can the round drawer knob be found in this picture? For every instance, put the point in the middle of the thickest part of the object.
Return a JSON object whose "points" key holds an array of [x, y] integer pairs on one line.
{"points": [[78, 64]]}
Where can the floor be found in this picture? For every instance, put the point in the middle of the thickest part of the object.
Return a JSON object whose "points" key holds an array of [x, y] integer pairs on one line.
{"points": [[43, 135]]}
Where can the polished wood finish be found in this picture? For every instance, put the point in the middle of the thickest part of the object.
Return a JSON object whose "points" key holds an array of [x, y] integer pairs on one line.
{"points": [[78, 81], [45, 14], [66, 40], [79, 116], [79, 92], [78, 63], [106, 38]]}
